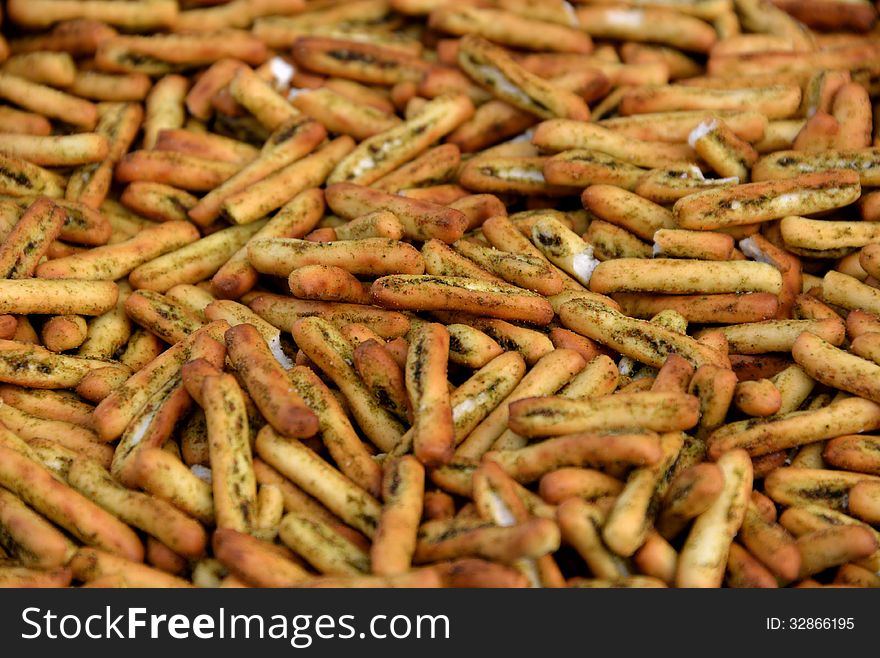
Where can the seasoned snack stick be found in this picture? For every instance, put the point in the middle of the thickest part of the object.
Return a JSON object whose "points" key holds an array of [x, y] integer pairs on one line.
{"points": [[655, 25], [421, 220], [433, 432], [792, 164], [36, 485], [161, 54], [232, 474], [379, 155], [757, 202], [424, 292], [492, 68], [643, 341], [510, 29], [268, 383], [359, 61]]}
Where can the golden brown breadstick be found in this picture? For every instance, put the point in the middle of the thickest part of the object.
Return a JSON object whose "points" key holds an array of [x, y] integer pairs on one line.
{"points": [[257, 562], [23, 123], [179, 532], [433, 433], [379, 155], [371, 257], [628, 522], [334, 355], [722, 150], [835, 367], [26, 577], [167, 319], [205, 144], [532, 539], [336, 431], [343, 115], [27, 364], [257, 96], [20, 178], [36, 486], [359, 61], [276, 189], [849, 293], [751, 307], [421, 220], [768, 435], [60, 296], [778, 335], [116, 411], [159, 54], [304, 468], [193, 261], [326, 283], [395, 539], [48, 102], [582, 450], [656, 25], [296, 218], [282, 312], [564, 134], [775, 102], [164, 476], [94, 566], [66, 150], [29, 240], [425, 292], [864, 501], [286, 145], [379, 224], [640, 340], [478, 397], [119, 124], [702, 559], [117, 260], [268, 383], [676, 126], [755, 202], [493, 68], [232, 473], [182, 170], [667, 275], [157, 201], [552, 416], [29, 538], [322, 547], [510, 29], [54, 405], [790, 164], [579, 522], [830, 547], [63, 332]]}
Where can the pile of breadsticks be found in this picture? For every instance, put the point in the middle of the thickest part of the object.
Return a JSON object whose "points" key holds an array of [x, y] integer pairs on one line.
{"points": [[439, 293]]}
